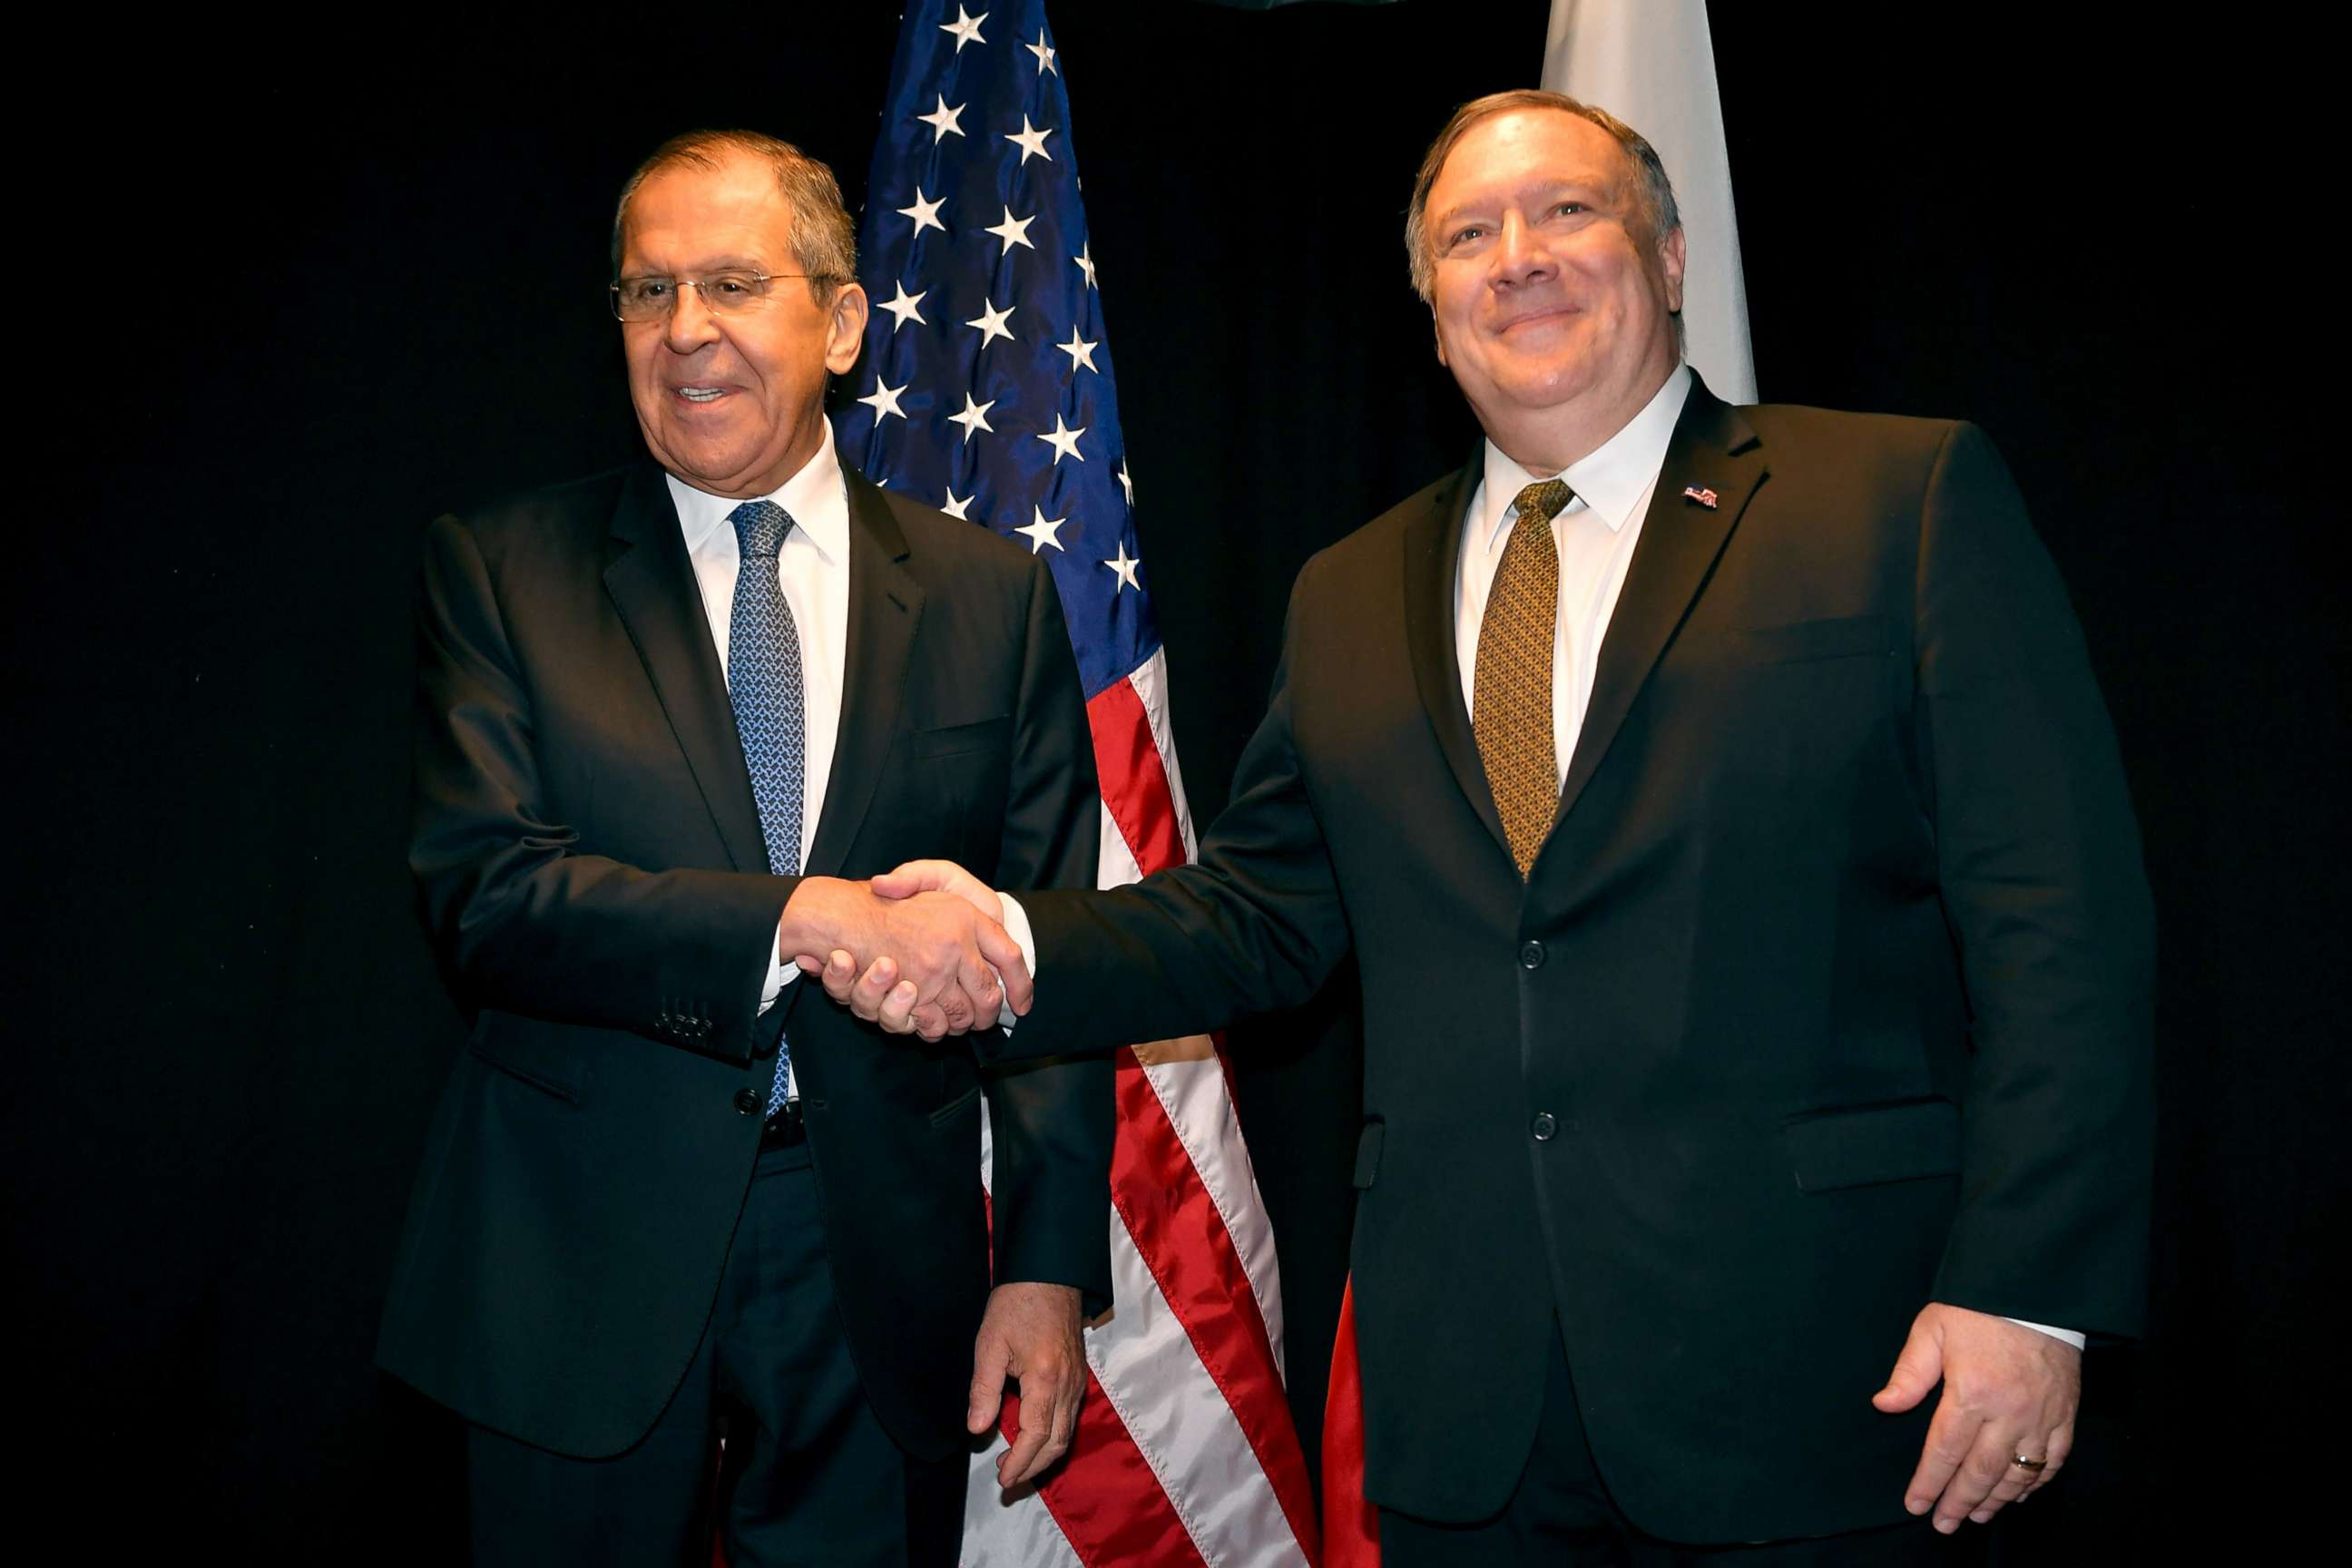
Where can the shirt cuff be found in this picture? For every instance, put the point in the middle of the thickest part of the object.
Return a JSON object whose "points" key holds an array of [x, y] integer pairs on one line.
{"points": [[779, 975], [1015, 922], [2068, 1335]]}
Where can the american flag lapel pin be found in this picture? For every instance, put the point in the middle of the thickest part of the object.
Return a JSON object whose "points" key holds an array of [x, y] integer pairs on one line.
{"points": [[1700, 494]]}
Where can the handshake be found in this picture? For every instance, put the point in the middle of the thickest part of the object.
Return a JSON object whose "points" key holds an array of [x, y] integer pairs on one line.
{"points": [[920, 950]]}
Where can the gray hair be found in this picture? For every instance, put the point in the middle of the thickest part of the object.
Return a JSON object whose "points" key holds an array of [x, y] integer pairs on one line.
{"points": [[1656, 193], [824, 241]]}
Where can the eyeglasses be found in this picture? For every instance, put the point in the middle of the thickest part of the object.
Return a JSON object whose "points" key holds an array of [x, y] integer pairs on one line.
{"points": [[723, 293]]}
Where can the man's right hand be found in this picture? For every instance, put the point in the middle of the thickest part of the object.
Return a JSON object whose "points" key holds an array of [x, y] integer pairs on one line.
{"points": [[930, 960], [879, 994]]}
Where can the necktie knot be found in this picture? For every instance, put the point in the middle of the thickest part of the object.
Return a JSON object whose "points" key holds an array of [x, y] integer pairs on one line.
{"points": [[1543, 500], [760, 529]]}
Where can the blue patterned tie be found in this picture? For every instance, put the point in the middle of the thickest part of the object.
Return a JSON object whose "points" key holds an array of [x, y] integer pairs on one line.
{"points": [[763, 687]]}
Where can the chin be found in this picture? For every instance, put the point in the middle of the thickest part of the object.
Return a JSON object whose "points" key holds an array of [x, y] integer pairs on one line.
{"points": [[1545, 391], [699, 457]]}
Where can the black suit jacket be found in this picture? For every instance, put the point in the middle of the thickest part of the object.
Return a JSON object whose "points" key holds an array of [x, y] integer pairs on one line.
{"points": [[1828, 995], [590, 858]]}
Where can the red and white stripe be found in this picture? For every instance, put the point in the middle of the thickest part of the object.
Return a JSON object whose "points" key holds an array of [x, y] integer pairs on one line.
{"points": [[1185, 1453]]}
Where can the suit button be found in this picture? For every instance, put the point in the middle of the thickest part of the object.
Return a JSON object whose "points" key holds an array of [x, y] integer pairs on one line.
{"points": [[1531, 955], [1544, 1126], [747, 1101]]}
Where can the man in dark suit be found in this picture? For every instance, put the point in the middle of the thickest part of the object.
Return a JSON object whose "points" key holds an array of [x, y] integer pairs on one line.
{"points": [[661, 712], [1755, 949]]}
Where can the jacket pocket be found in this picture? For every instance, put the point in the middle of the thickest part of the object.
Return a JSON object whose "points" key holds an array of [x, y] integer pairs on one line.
{"points": [[1864, 1146], [954, 740], [1367, 1152], [956, 1107], [1800, 642], [513, 1047]]}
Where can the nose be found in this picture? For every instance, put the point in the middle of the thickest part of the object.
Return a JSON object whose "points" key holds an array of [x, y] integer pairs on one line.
{"points": [[1521, 253], [691, 324]]}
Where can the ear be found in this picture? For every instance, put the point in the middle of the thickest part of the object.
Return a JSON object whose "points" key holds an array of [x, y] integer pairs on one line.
{"points": [[1671, 253], [846, 330], [1439, 336]]}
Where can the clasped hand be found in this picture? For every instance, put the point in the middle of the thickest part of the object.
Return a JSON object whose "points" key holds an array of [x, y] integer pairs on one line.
{"points": [[918, 950]]}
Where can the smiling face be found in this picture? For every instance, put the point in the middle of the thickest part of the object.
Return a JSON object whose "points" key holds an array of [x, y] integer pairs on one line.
{"points": [[732, 405], [1554, 303]]}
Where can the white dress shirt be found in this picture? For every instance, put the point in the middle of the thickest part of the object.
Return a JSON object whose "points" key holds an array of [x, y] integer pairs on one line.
{"points": [[813, 570], [1595, 533]]}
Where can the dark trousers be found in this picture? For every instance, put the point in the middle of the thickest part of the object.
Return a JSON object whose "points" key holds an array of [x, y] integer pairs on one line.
{"points": [[809, 1475], [1562, 1514]]}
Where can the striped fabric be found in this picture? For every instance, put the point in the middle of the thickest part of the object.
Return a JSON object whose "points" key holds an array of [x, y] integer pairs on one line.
{"points": [[987, 390]]}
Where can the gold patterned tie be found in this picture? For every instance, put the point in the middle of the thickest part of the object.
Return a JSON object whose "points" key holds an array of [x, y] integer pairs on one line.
{"points": [[1511, 695]]}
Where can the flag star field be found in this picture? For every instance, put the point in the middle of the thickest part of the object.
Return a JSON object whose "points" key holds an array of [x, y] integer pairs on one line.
{"points": [[986, 385]]}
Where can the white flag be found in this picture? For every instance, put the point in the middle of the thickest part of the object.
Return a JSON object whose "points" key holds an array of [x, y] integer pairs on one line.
{"points": [[1650, 63]]}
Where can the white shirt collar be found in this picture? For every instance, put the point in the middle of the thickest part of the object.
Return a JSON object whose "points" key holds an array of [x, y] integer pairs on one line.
{"points": [[1610, 480], [817, 497]]}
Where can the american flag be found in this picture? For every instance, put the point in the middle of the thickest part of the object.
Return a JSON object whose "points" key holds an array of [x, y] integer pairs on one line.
{"points": [[986, 389]]}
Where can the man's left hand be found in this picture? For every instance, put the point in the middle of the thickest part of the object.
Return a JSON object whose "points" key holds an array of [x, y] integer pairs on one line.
{"points": [[1030, 1334], [2009, 1391]]}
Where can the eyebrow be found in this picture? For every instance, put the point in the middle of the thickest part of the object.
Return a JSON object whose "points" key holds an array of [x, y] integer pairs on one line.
{"points": [[1454, 215], [1551, 186], [718, 264]]}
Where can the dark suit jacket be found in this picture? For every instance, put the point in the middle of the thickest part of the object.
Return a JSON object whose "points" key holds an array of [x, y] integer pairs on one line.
{"points": [[590, 858], [1828, 995]]}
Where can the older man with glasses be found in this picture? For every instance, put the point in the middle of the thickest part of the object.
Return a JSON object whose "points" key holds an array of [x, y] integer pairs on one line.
{"points": [[662, 713]]}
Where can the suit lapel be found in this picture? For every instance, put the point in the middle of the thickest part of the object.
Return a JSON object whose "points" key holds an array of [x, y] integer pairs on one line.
{"points": [[653, 587], [1713, 449], [1433, 543], [886, 607]]}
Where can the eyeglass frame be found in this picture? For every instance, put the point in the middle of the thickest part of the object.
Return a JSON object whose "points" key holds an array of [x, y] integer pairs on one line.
{"points": [[613, 291]]}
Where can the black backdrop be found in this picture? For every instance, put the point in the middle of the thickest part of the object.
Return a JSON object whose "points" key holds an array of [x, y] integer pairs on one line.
{"points": [[281, 308]]}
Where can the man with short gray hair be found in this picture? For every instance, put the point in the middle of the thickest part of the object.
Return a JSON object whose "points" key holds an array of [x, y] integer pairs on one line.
{"points": [[663, 713]]}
